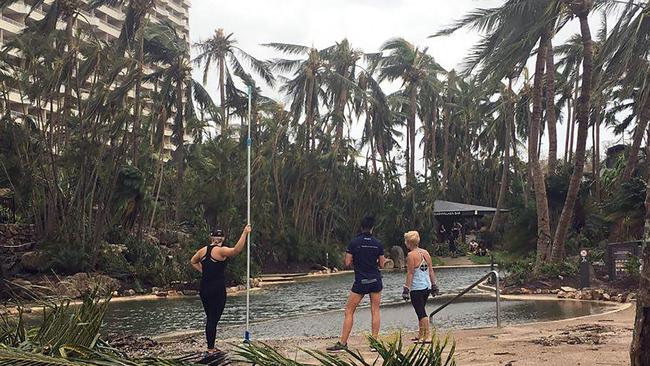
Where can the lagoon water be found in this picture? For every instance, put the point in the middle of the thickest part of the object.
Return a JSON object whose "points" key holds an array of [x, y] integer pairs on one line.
{"points": [[313, 307]]}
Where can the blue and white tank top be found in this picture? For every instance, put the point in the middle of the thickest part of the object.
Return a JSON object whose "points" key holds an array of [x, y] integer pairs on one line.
{"points": [[421, 279]]}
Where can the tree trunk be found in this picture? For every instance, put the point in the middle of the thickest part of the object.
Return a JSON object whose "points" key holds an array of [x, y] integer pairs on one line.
{"points": [[222, 95], [136, 105], [583, 109], [180, 151], [597, 160], [543, 222], [434, 121], [640, 348], [509, 119], [575, 118], [445, 148], [550, 107], [568, 128], [309, 111], [414, 107]]}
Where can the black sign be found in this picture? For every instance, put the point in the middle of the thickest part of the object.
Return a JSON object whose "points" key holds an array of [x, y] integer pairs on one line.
{"points": [[619, 255]]}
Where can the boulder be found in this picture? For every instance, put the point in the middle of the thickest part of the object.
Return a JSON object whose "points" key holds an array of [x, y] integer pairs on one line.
{"points": [[397, 255], [389, 264], [129, 292], [561, 295], [84, 283], [606, 297], [619, 298], [630, 297], [190, 292], [34, 261], [567, 289]]}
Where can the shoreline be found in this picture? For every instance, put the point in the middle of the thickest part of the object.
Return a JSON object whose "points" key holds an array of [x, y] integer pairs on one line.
{"points": [[489, 345]]}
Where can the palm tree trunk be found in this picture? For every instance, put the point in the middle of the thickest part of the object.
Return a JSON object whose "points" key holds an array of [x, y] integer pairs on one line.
{"points": [[138, 98], [445, 148], [575, 118], [597, 158], [568, 129], [584, 102], [222, 95], [543, 221], [434, 121], [309, 111], [411, 127], [550, 107], [509, 119], [180, 150], [639, 354]]}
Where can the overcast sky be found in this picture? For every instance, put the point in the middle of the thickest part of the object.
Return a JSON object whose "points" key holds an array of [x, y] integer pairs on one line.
{"points": [[365, 23]]}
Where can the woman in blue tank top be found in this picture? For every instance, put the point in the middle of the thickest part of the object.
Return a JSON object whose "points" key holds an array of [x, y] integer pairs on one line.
{"points": [[420, 282]]}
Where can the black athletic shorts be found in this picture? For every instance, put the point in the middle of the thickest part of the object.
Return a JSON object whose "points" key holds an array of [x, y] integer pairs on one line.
{"points": [[365, 287], [419, 301]]}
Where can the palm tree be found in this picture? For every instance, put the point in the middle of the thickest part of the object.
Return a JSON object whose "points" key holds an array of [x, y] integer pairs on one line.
{"points": [[306, 87], [626, 53], [343, 60], [513, 30], [581, 10], [163, 46], [416, 69], [507, 115], [222, 49]]}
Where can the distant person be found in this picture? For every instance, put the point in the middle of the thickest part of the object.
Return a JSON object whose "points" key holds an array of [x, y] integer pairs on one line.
{"points": [[211, 262], [420, 283], [366, 255], [442, 234], [473, 246]]}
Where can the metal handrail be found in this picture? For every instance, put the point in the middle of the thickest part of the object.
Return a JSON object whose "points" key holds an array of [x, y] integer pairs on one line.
{"points": [[497, 291]]}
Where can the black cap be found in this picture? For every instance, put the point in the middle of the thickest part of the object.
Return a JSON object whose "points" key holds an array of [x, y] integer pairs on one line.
{"points": [[217, 233]]}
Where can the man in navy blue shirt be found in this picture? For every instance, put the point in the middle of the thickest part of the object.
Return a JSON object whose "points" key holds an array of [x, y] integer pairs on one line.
{"points": [[366, 255]]}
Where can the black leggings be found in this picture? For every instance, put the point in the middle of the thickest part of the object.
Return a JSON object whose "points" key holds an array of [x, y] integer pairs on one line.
{"points": [[419, 300], [213, 298]]}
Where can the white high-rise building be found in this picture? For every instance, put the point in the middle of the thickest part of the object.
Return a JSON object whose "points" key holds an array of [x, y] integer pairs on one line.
{"points": [[105, 22]]}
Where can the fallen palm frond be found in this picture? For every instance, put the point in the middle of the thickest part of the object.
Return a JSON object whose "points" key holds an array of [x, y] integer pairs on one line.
{"points": [[69, 335]]}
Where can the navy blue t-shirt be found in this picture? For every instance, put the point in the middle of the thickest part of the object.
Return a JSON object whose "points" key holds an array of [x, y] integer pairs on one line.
{"points": [[365, 250]]}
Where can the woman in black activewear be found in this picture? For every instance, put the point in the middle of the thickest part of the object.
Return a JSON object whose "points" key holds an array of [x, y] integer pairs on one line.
{"points": [[211, 262]]}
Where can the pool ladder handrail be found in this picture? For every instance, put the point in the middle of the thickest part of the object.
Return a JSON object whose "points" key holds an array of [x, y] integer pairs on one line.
{"points": [[497, 291]]}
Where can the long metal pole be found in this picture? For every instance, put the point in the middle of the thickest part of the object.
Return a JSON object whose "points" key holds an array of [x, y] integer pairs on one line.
{"points": [[247, 335]]}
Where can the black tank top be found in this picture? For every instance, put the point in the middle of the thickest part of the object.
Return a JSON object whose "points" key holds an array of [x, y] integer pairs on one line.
{"points": [[213, 271]]}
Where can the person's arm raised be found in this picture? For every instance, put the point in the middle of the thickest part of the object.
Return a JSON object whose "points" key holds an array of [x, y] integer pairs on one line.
{"points": [[231, 252]]}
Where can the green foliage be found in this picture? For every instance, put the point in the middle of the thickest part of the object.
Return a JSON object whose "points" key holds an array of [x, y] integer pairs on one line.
{"points": [[392, 353], [66, 335], [567, 268], [632, 266]]}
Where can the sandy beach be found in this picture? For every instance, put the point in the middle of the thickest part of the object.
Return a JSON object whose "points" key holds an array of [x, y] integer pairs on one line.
{"points": [[601, 339]]}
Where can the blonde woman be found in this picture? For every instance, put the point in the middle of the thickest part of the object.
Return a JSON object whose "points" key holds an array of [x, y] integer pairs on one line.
{"points": [[420, 282]]}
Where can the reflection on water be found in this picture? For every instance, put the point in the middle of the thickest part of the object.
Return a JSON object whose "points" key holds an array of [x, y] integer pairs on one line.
{"points": [[283, 310]]}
